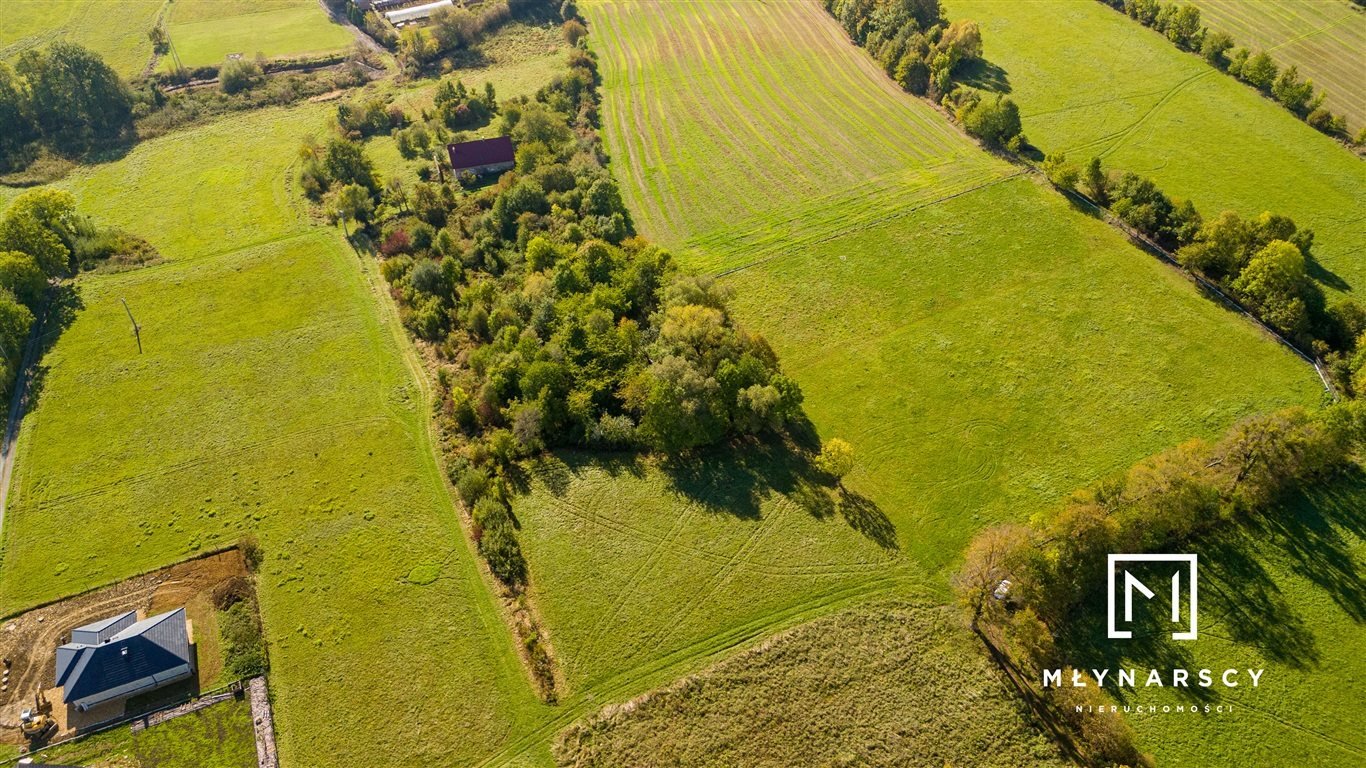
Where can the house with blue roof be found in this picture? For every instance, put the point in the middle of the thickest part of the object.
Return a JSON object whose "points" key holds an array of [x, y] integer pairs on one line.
{"points": [[119, 657]]}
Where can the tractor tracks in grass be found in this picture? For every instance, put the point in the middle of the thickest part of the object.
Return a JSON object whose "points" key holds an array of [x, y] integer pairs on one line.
{"points": [[669, 540], [689, 658], [226, 456], [1117, 139], [1339, 743]]}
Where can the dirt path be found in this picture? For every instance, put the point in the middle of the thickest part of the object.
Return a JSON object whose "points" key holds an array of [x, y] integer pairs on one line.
{"points": [[18, 406]]}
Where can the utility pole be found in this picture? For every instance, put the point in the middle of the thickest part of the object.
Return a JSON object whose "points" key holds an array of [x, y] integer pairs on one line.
{"points": [[137, 329]]}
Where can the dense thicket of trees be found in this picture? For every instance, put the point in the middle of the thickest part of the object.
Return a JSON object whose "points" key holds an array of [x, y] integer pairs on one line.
{"points": [[552, 323], [64, 97], [1161, 504], [1181, 24]]}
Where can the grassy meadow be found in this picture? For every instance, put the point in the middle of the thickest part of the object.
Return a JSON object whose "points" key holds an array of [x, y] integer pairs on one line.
{"points": [[273, 396], [1286, 596], [220, 736], [1323, 38], [204, 32], [989, 348], [895, 684], [116, 31], [1142, 105]]}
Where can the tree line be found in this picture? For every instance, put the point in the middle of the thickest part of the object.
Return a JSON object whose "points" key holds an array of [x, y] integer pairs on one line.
{"points": [[923, 52], [1056, 566], [63, 98], [1263, 262], [1181, 25]]}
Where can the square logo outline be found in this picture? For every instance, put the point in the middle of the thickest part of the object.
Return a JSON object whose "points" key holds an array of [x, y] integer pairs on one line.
{"points": [[1114, 559]]}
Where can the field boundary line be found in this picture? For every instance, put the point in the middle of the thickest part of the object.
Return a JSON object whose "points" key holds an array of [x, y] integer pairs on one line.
{"points": [[18, 405], [877, 220], [597, 694], [1167, 257]]}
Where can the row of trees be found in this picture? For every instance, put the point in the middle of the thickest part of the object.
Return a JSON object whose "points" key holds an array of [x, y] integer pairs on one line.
{"points": [[62, 97], [1163, 503], [1181, 24], [911, 40], [923, 52], [1264, 262]]}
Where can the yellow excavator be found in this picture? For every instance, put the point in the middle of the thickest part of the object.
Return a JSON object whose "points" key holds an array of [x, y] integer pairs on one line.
{"points": [[36, 723]]}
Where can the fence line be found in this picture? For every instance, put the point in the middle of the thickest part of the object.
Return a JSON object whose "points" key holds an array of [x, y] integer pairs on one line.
{"points": [[149, 719]]}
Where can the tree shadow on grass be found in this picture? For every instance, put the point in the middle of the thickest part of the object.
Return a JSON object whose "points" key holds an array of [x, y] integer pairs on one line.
{"points": [[1308, 529], [733, 479], [64, 303], [984, 75], [866, 517], [1325, 275], [1240, 598]]}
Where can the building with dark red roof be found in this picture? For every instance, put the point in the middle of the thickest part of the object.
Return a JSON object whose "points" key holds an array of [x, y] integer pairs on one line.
{"points": [[482, 156]]}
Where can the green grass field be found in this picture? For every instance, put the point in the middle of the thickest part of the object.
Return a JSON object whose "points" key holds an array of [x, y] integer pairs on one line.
{"points": [[116, 31], [1091, 82], [220, 736], [881, 685], [1286, 596], [1325, 39], [273, 396], [990, 349], [206, 31]]}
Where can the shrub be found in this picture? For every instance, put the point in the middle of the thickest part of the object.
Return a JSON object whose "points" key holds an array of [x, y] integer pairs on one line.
{"points": [[1061, 173], [20, 273], [472, 486], [252, 554], [238, 75], [244, 650], [1259, 70], [499, 547], [395, 243], [995, 121], [574, 31]]}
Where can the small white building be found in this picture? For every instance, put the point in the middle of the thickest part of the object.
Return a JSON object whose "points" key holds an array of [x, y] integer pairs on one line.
{"points": [[416, 13]]}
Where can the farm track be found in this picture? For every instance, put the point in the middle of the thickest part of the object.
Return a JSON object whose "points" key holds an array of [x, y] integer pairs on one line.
{"points": [[1323, 39], [748, 115], [690, 658]]}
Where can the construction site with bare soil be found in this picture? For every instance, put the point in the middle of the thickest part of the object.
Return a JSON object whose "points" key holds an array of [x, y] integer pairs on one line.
{"points": [[32, 712]]}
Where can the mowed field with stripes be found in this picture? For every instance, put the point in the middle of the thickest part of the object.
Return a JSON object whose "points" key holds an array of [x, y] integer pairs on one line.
{"points": [[1142, 105], [1325, 39], [984, 347]]}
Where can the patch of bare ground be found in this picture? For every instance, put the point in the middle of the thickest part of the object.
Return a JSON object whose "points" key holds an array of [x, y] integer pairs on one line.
{"points": [[28, 641]]}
